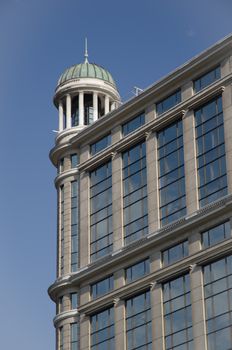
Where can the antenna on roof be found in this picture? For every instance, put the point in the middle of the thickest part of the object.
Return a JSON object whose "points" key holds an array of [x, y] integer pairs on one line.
{"points": [[137, 91], [86, 51]]}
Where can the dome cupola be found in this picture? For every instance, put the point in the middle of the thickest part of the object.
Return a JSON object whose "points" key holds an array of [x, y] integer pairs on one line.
{"points": [[85, 92]]}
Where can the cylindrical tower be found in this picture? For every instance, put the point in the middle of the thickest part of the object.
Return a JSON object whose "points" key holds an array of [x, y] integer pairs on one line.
{"points": [[85, 92]]}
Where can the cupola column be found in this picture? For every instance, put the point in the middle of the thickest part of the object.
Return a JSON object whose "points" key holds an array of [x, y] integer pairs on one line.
{"points": [[68, 111], [95, 106], [81, 108], [61, 116], [107, 104], [113, 106]]}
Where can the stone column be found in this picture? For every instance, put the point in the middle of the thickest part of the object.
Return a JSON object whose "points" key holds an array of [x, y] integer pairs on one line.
{"points": [[117, 201], [95, 106], [61, 116], [84, 332], [113, 106], [190, 162], [68, 111], [107, 104], [198, 308], [120, 327], [152, 183], [81, 108], [157, 317]]}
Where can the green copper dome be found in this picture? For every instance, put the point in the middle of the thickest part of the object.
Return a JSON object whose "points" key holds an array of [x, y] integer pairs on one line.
{"points": [[86, 70]]}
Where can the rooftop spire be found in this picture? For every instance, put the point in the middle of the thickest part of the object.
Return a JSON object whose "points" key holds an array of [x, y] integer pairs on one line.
{"points": [[86, 51]]}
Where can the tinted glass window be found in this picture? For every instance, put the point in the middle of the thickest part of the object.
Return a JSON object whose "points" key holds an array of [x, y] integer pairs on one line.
{"points": [[133, 124], [216, 234], [100, 144], [137, 270], [168, 102], [207, 79], [175, 253], [102, 287]]}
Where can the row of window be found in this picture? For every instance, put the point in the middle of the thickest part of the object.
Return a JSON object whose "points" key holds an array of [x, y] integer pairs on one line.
{"points": [[171, 255], [161, 107], [212, 183], [177, 315], [74, 161]]}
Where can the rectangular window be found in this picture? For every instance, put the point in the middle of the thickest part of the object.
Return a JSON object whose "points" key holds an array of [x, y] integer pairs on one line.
{"points": [[74, 160], [171, 173], [175, 253], [61, 165], [138, 322], [138, 270], [218, 306], [168, 102], [102, 330], [216, 234], [62, 229], [74, 226], [100, 145], [178, 314], [101, 241], [211, 162], [61, 304], [61, 338], [102, 287], [207, 79], [135, 193], [133, 124], [74, 300], [74, 336]]}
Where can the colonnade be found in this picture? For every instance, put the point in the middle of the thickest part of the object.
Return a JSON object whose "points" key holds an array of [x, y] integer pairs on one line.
{"points": [[65, 108]]}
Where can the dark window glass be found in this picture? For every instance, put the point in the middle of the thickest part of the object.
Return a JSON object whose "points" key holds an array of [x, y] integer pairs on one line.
{"points": [[61, 338], [100, 144], [61, 165], [135, 193], [211, 163], [102, 287], [218, 305], [102, 330], [101, 212], [168, 102], [138, 322], [61, 304], [74, 300], [75, 111], [171, 173], [137, 270], [178, 314], [74, 226], [61, 229], [216, 234], [175, 253], [74, 160], [207, 79], [133, 124], [74, 332]]}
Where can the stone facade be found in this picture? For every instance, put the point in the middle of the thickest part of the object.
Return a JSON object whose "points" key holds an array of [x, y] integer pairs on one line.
{"points": [[158, 238]]}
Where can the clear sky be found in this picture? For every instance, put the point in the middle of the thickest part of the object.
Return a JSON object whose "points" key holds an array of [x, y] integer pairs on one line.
{"points": [[138, 42]]}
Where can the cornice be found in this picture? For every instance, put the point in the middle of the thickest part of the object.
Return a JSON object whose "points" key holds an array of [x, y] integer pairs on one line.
{"points": [[179, 227], [64, 315], [65, 175]]}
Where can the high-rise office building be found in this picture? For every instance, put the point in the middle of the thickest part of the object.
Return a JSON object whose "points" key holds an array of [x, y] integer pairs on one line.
{"points": [[144, 247]]}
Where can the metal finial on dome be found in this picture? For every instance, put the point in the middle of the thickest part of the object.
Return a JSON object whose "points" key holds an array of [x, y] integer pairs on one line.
{"points": [[86, 51]]}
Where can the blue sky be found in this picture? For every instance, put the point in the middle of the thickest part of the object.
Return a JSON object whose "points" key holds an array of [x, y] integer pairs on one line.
{"points": [[138, 42]]}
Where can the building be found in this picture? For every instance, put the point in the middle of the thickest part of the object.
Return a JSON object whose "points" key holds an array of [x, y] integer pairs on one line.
{"points": [[144, 257]]}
